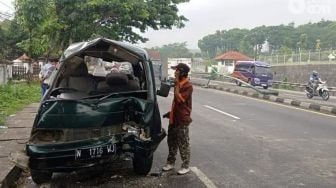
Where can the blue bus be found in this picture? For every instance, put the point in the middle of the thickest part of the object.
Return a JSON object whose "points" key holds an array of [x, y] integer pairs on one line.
{"points": [[256, 73]]}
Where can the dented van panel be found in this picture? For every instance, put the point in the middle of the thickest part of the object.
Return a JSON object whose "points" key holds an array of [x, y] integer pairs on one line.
{"points": [[94, 114]]}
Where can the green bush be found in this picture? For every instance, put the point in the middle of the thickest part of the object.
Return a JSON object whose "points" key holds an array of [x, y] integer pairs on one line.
{"points": [[14, 97]]}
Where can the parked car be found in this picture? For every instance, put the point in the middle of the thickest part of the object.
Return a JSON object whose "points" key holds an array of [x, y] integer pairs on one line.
{"points": [[90, 116], [256, 73]]}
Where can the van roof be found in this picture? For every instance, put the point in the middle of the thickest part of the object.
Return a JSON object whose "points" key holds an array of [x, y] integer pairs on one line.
{"points": [[106, 49], [256, 63]]}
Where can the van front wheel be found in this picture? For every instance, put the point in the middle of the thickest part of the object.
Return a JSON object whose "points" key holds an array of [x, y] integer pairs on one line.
{"points": [[40, 177], [141, 164], [265, 87]]}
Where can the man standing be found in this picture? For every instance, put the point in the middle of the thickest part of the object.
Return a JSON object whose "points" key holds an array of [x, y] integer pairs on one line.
{"points": [[179, 120], [45, 74]]}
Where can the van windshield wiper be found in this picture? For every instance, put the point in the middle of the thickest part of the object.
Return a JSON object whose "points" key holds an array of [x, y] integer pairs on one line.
{"points": [[121, 94], [108, 96]]}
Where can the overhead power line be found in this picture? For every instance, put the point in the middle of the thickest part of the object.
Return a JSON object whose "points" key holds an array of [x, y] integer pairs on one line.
{"points": [[10, 7], [5, 16]]}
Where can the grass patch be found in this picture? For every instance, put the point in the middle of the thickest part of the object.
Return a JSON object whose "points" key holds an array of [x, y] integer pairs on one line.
{"points": [[14, 97], [287, 87], [284, 86]]}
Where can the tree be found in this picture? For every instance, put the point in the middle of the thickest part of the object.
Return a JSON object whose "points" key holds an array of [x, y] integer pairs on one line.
{"points": [[302, 44], [175, 50], [209, 45], [11, 34], [221, 41], [30, 15], [257, 37], [281, 38], [2, 41], [62, 22]]}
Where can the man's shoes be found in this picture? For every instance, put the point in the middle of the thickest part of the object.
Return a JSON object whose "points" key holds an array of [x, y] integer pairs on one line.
{"points": [[167, 167], [183, 171]]}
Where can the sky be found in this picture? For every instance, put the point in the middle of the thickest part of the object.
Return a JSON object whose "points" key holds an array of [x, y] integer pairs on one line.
{"points": [[207, 16], [6, 6]]}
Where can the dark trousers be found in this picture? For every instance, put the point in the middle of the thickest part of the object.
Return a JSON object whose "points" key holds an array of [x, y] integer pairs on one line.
{"points": [[178, 139]]}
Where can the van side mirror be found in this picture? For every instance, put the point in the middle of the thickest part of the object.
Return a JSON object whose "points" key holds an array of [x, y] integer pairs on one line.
{"points": [[164, 89]]}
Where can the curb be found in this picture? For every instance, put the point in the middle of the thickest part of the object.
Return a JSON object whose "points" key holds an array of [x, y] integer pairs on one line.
{"points": [[285, 101], [11, 177], [11, 172]]}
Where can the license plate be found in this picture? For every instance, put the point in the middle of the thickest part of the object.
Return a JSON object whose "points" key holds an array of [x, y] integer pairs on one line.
{"points": [[95, 152]]}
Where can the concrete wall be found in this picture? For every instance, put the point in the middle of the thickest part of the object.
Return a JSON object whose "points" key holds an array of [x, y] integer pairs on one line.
{"points": [[300, 73]]}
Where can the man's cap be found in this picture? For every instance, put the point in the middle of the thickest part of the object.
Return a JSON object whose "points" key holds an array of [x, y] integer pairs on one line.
{"points": [[182, 67]]}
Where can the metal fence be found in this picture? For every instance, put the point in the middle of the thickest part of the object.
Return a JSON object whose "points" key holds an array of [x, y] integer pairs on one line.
{"points": [[198, 65], [21, 72], [10, 72], [276, 84], [304, 57]]}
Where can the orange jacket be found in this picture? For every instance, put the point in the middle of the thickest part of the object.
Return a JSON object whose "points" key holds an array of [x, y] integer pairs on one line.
{"points": [[182, 104]]}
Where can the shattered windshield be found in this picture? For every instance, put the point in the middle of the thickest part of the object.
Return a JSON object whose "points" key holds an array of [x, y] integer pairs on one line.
{"points": [[98, 67], [90, 77]]}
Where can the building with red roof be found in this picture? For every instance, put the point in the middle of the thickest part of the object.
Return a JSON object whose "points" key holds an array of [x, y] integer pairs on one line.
{"points": [[227, 60], [233, 55]]}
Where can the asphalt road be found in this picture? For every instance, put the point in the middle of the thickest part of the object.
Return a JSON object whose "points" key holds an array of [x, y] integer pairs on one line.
{"points": [[270, 145], [237, 142]]}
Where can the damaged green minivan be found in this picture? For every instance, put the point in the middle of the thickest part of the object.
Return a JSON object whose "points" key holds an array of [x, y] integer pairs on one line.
{"points": [[100, 107]]}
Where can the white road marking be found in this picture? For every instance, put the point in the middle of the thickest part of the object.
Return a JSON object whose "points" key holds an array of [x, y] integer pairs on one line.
{"points": [[215, 109], [271, 102], [207, 182], [171, 92]]}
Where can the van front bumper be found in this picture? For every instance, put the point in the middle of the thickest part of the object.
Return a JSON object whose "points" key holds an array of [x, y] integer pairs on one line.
{"points": [[69, 156]]}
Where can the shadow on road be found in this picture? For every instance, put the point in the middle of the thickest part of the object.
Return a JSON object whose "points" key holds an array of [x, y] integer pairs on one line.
{"points": [[116, 175]]}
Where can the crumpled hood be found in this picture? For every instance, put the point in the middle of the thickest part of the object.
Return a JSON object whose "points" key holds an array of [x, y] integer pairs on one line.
{"points": [[89, 114]]}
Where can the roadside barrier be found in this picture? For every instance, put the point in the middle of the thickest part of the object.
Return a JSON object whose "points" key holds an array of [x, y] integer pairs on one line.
{"points": [[276, 84], [286, 101]]}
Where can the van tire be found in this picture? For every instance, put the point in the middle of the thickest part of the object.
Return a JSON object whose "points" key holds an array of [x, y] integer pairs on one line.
{"points": [[40, 177], [141, 164], [265, 87]]}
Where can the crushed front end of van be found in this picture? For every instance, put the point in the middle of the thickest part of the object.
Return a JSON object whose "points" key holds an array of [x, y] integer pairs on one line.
{"points": [[100, 107]]}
